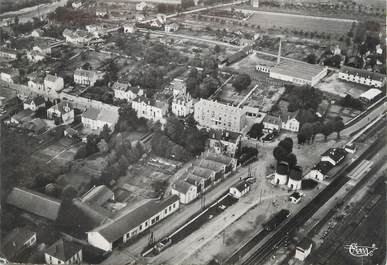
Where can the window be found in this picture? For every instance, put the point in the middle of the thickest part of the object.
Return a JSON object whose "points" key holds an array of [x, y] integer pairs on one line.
{"points": [[140, 227], [166, 210]]}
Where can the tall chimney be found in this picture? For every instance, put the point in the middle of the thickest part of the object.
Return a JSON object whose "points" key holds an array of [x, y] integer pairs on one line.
{"points": [[279, 52]]}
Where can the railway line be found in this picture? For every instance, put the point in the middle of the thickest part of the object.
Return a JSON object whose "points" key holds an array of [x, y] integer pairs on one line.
{"points": [[300, 218]]}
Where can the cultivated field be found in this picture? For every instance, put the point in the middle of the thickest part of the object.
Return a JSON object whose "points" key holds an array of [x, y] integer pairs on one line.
{"points": [[296, 22]]}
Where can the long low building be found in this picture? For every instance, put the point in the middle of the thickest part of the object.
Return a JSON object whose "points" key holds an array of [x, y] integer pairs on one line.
{"points": [[361, 76], [299, 73], [127, 226]]}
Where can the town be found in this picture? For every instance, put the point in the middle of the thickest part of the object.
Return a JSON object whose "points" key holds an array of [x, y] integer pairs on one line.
{"points": [[193, 131]]}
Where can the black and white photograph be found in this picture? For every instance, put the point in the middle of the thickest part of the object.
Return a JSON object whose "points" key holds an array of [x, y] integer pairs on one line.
{"points": [[193, 132]]}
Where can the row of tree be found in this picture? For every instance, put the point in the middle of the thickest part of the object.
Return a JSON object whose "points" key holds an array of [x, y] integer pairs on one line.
{"points": [[308, 131]]}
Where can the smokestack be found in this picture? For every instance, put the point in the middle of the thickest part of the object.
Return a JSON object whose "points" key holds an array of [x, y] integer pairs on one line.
{"points": [[279, 52]]}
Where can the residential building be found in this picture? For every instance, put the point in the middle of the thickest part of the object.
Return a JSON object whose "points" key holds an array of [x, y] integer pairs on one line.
{"points": [[35, 56], [216, 115], [8, 53], [272, 123], [96, 119], [126, 91], [43, 47], [240, 189], [98, 196], [186, 191], [254, 3], [101, 12], [361, 76], [16, 242], [171, 27], [34, 103], [64, 111], [334, 156], [36, 33], [63, 252], [245, 42], [34, 202], [182, 105], [22, 117], [131, 223], [320, 170], [295, 178], [264, 67], [289, 119], [150, 109], [281, 173], [303, 249], [10, 75], [76, 4], [36, 82], [224, 142], [299, 73], [295, 197], [78, 36], [53, 82], [229, 163], [350, 148], [130, 28], [87, 77]]}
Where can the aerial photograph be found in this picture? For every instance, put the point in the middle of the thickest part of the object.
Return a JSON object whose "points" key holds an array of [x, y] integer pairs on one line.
{"points": [[193, 132]]}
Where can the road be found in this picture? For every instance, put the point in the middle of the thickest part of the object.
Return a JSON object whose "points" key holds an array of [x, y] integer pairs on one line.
{"points": [[266, 248]]}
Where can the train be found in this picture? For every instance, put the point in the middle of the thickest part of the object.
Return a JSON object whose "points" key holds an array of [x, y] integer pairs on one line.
{"points": [[276, 220]]}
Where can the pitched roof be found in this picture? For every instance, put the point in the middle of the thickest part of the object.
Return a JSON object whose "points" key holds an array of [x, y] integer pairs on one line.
{"points": [[272, 119], [201, 172], [285, 114], [120, 225], [218, 158], [120, 86], [242, 185], [224, 135], [209, 164], [295, 173], [51, 78], [298, 69], [34, 202], [335, 153], [14, 241], [86, 73], [362, 73], [97, 195], [91, 113], [296, 195], [37, 100], [370, 94], [323, 167], [63, 107], [63, 249], [181, 186]]}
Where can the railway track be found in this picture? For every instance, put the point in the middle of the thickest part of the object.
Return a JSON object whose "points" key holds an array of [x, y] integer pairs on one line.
{"points": [[261, 254]]}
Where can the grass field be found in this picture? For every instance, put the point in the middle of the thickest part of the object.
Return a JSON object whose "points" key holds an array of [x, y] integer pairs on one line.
{"points": [[305, 23]]}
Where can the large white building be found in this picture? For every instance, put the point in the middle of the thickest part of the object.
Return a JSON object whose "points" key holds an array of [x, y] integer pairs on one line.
{"points": [[87, 77], [78, 36], [361, 76], [150, 109], [216, 115], [182, 103], [96, 119], [299, 73], [134, 222], [126, 91], [53, 82]]}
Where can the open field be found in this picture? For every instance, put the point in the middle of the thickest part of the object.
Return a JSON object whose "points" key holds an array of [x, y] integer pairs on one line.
{"points": [[293, 22], [331, 84]]}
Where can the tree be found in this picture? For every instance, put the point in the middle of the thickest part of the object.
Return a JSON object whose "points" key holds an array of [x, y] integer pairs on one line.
{"points": [[311, 58], [256, 131], [105, 133], [338, 126], [217, 49], [292, 160], [287, 144], [208, 86], [280, 154], [327, 129], [174, 129], [241, 82], [307, 132]]}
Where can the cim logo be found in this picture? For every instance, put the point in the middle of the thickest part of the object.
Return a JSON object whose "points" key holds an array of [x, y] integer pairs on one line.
{"points": [[360, 251]]}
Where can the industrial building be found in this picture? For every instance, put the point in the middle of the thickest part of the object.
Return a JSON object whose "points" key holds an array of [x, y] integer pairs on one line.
{"points": [[299, 73]]}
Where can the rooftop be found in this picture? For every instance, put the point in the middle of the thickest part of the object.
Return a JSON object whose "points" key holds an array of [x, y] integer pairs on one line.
{"points": [[224, 135], [14, 241], [323, 167], [335, 153], [97, 195], [63, 249], [115, 229], [272, 119], [242, 185], [362, 73], [34, 202], [370, 94], [181, 186], [298, 69]]}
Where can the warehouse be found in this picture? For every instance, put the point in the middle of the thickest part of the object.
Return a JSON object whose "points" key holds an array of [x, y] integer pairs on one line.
{"points": [[299, 73], [132, 223]]}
